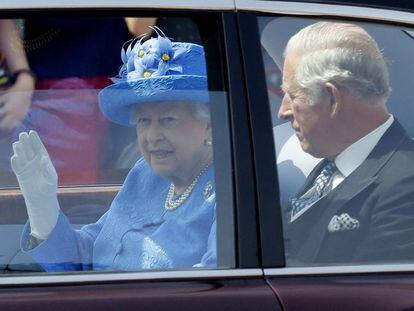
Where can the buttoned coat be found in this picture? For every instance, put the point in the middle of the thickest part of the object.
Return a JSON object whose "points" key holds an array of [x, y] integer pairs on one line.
{"points": [[378, 197], [137, 232]]}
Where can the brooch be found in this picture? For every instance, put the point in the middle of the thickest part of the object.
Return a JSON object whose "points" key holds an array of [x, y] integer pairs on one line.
{"points": [[208, 189]]}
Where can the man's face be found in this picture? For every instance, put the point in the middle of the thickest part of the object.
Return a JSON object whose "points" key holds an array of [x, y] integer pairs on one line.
{"points": [[312, 123]]}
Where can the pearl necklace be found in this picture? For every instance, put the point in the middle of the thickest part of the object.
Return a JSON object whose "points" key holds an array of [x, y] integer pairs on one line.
{"points": [[170, 203]]}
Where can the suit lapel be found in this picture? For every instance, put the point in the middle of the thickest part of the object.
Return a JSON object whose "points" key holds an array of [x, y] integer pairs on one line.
{"points": [[364, 176]]}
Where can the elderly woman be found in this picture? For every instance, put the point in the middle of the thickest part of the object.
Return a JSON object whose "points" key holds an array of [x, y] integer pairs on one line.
{"points": [[164, 215]]}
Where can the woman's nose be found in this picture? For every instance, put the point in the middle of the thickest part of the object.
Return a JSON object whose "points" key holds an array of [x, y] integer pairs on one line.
{"points": [[155, 132], [285, 110]]}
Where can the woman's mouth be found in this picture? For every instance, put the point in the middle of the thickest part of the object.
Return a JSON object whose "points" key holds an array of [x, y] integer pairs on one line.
{"points": [[160, 154]]}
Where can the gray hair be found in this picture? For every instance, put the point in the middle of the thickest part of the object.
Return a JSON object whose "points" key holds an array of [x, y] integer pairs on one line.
{"points": [[201, 111], [342, 54]]}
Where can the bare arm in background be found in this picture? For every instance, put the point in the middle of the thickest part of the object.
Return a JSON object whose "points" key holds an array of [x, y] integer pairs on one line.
{"points": [[140, 25], [15, 103]]}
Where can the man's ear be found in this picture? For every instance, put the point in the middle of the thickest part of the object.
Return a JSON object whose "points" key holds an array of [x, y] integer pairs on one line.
{"points": [[335, 99]]}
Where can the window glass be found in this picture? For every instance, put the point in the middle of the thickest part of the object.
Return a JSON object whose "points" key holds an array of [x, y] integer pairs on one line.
{"points": [[339, 94], [108, 144]]}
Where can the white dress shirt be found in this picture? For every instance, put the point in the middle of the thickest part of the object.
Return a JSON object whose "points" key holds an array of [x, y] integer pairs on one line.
{"points": [[353, 156]]}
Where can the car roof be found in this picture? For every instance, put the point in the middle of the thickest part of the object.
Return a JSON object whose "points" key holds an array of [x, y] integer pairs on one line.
{"points": [[386, 4], [189, 4], [73, 4]]}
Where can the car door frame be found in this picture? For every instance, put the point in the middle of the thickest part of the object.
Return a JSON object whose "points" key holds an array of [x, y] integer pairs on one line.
{"points": [[314, 284]]}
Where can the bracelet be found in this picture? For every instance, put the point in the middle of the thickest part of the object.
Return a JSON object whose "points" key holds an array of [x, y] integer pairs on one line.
{"points": [[19, 72]]}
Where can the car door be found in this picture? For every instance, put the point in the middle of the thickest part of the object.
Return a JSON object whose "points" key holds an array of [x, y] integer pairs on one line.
{"points": [[265, 28], [73, 48]]}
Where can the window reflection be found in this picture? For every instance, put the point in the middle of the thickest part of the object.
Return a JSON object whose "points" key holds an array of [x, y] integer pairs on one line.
{"points": [[345, 153]]}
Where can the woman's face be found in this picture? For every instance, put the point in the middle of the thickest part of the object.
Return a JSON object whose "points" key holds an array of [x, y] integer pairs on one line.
{"points": [[172, 140]]}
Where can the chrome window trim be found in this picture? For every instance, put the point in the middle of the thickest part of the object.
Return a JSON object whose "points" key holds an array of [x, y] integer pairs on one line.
{"points": [[330, 10], [301, 8], [83, 4], [90, 277], [99, 189], [335, 270]]}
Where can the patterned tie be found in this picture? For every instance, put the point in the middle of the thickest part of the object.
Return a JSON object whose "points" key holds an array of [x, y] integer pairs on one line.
{"points": [[319, 188]]}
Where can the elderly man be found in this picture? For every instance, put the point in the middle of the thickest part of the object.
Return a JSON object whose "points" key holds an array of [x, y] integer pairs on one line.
{"points": [[357, 205]]}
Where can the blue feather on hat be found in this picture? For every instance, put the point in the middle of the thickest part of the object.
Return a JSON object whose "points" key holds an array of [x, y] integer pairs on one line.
{"points": [[155, 70]]}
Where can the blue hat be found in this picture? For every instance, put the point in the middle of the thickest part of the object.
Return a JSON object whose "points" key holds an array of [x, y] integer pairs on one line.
{"points": [[153, 71]]}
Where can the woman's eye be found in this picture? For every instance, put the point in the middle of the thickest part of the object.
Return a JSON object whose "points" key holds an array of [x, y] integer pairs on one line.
{"points": [[143, 121], [168, 120]]}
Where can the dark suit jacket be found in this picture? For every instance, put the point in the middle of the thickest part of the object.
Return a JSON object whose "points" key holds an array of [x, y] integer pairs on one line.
{"points": [[379, 194]]}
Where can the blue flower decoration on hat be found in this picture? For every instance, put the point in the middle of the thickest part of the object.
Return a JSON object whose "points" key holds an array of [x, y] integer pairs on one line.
{"points": [[153, 71]]}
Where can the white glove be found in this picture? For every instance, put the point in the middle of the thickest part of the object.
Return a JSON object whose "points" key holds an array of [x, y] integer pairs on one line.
{"points": [[38, 182]]}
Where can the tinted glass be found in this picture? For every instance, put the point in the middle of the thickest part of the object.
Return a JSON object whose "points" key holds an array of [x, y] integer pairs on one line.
{"points": [[116, 169], [339, 97]]}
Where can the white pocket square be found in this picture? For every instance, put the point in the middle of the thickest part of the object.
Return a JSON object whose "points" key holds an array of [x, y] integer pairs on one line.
{"points": [[343, 222]]}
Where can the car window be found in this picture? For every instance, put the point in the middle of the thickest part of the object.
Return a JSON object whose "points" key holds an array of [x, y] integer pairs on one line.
{"points": [[339, 98], [111, 129]]}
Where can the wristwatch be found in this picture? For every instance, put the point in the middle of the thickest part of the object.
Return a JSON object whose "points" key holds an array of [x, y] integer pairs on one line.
{"points": [[17, 73]]}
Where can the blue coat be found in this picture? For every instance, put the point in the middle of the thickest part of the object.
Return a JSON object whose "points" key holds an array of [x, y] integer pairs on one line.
{"points": [[137, 232]]}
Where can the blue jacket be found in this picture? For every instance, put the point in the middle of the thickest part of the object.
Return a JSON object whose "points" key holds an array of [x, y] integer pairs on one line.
{"points": [[137, 232]]}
